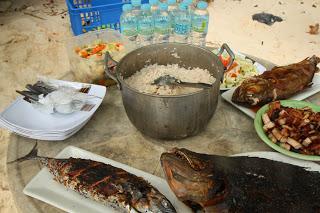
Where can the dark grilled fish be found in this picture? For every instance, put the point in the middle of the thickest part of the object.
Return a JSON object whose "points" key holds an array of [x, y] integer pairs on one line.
{"points": [[276, 84], [106, 184], [240, 184]]}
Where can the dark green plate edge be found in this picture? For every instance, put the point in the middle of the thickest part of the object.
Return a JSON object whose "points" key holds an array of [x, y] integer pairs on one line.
{"points": [[258, 124]]}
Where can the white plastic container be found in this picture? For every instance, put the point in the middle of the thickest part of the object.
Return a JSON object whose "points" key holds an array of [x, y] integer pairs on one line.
{"points": [[91, 70]]}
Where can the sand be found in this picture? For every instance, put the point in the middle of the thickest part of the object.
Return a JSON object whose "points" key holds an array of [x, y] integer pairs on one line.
{"points": [[32, 45], [282, 43]]}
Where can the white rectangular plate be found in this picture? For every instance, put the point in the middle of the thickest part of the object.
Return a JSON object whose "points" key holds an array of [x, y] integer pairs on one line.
{"points": [[300, 96], [44, 188], [275, 156]]}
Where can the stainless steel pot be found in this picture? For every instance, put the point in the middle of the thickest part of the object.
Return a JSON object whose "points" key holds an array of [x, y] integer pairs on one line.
{"points": [[174, 116]]}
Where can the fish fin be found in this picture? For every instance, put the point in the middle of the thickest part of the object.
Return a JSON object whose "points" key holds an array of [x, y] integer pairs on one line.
{"points": [[309, 85], [31, 155]]}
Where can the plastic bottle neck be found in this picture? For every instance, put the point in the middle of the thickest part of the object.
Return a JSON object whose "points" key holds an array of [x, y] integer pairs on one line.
{"points": [[136, 7]]}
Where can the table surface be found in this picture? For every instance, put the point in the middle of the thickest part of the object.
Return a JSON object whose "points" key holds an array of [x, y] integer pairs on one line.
{"points": [[110, 134]]}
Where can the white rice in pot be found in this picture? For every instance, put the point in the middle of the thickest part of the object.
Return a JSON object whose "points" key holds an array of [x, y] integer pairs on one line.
{"points": [[143, 79]]}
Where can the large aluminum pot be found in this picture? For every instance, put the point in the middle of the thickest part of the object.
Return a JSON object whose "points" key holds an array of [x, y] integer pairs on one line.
{"points": [[174, 116]]}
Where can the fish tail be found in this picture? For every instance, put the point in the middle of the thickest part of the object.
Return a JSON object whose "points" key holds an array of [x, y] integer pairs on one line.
{"points": [[32, 155]]}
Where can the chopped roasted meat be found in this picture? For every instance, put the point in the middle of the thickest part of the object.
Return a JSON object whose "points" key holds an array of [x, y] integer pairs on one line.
{"points": [[299, 129]]}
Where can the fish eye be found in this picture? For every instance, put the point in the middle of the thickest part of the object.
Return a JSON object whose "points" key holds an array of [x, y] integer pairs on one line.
{"points": [[164, 203]]}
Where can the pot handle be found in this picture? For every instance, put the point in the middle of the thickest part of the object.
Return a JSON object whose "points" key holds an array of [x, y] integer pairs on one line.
{"points": [[225, 47], [111, 65]]}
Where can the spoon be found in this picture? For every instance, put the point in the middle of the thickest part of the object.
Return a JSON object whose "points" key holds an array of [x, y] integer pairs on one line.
{"points": [[170, 80]]}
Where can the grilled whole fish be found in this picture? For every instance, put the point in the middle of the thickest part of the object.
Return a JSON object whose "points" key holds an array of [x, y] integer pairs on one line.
{"points": [[106, 184], [240, 184], [276, 84]]}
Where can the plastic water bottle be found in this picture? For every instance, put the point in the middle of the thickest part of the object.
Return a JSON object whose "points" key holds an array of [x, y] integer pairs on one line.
{"points": [[128, 23], [182, 24], [136, 7], [162, 24], [200, 21], [172, 9], [145, 26], [154, 4], [190, 5]]}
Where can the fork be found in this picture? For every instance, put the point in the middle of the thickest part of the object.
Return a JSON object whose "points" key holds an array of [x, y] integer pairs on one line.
{"points": [[85, 89], [87, 107], [32, 93]]}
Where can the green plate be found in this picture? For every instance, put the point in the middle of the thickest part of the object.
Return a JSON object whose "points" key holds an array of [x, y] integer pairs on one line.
{"points": [[258, 124]]}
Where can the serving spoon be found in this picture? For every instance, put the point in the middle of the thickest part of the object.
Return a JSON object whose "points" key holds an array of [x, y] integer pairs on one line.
{"points": [[170, 80]]}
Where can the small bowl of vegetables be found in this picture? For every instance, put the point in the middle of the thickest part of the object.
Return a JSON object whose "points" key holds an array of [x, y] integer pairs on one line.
{"points": [[242, 68], [86, 54]]}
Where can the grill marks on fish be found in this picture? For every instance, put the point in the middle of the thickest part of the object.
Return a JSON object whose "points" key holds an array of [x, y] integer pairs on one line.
{"points": [[106, 184], [278, 83], [99, 180]]}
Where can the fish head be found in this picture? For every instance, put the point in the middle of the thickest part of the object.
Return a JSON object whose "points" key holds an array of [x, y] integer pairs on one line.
{"points": [[252, 92], [154, 202], [160, 203], [190, 177]]}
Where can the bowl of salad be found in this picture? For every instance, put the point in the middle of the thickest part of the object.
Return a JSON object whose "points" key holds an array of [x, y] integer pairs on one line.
{"points": [[242, 68], [86, 54]]}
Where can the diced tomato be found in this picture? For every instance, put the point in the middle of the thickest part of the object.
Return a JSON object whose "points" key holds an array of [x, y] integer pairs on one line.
{"points": [[233, 75], [119, 46], [232, 66], [225, 61], [98, 48], [84, 54]]}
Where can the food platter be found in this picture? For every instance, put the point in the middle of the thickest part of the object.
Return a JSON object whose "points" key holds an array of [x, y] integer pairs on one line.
{"points": [[44, 188], [258, 123], [299, 96]]}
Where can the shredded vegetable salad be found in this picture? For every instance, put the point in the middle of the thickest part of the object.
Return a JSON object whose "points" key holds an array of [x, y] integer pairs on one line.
{"points": [[98, 49], [240, 70]]}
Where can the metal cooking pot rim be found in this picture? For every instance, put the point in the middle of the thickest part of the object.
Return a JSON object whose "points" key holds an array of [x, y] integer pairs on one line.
{"points": [[122, 81], [162, 96]]}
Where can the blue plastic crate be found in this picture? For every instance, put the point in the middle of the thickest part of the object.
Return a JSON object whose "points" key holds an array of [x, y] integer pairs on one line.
{"points": [[89, 15]]}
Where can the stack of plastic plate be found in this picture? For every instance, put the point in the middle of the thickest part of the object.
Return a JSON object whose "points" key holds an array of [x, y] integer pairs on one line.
{"points": [[25, 120]]}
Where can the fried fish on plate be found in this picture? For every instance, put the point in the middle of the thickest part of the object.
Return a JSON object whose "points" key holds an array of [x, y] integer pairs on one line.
{"points": [[240, 183], [106, 184], [276, 84]]}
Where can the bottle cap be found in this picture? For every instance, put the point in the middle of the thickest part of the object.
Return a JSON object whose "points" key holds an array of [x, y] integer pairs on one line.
{"points": [[171, 2], [202, 5], [136, 2], [187, 2], [163, 6], [153, 2], [126, 7], [145, 7], [183, 6]]}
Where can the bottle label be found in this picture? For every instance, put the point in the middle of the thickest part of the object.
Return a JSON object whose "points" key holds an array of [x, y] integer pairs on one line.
{"points": [[182, 28], [146, 26], [162, 25], [200, 25], [129, 28]]}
